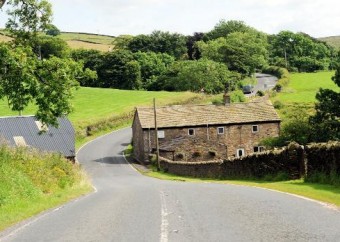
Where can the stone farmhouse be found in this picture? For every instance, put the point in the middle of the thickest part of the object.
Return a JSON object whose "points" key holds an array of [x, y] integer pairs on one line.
{"points": [[27, 131], [204, 132]]}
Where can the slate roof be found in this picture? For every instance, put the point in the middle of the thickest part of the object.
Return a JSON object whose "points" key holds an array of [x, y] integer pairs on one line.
{"points": [[60, 140], [198, 115]]}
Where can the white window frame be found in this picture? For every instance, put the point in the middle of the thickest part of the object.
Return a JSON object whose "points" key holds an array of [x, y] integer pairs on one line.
{"points": [[193, 130], [20, 141], [243, 152], [259, 149], [257, 128], [218, 130]]}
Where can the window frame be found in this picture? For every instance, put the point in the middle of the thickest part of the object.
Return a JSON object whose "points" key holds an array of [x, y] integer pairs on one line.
{"points": [[259, 149], [257, 128], [193, 132], [243, 152], [218, 130]]}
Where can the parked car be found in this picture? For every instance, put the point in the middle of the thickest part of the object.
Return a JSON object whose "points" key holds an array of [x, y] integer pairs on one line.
{"points": [[248, 89]]}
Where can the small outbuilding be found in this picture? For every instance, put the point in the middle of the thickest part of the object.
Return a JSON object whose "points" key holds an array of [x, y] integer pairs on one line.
{"points": [[204, 132], [28, 131]]}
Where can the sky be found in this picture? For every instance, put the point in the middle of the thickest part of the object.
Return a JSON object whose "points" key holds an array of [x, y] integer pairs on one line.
{"points": [[318, 18]]}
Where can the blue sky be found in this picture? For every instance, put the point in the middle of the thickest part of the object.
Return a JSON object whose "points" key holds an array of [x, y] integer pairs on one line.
{"points": [[318, 18]]}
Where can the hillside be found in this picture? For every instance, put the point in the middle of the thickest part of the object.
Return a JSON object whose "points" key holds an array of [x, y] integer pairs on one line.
{"points": [[332, 40], [79, 40]]}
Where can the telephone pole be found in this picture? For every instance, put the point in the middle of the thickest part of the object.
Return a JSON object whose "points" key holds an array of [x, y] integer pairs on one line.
{"points": [[156, 135]]}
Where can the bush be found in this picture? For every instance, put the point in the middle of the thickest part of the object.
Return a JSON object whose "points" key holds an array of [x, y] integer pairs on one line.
{"points": [[260, 93], [237, 97], [278, 105]]}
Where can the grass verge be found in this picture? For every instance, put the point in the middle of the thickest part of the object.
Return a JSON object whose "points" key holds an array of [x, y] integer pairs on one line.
{"points": [[321, 192], [33, 181]]}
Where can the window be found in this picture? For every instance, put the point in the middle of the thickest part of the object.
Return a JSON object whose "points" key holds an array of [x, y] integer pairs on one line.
{"points": [[258, 149], [161, 134], [240, 152], [19, 141], [41, 126], [191, 132], [220, 130], [255, 128]]}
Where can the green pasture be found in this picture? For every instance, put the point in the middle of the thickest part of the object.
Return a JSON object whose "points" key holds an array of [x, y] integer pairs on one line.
{"points": [[304, 86], [93, 104], [99, 39]]}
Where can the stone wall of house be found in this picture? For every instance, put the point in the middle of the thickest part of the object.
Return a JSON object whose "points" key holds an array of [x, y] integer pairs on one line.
{"points": [[138, 141], [207, 143]]}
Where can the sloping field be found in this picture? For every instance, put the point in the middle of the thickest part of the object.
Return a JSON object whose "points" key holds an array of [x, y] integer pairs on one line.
{"points": [[304, 86], [77, 44], [79, 40], [332, 40], [92, 104]]}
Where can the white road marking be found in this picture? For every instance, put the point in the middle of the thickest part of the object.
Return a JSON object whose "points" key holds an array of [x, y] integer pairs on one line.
{"points": [[164, 216]]}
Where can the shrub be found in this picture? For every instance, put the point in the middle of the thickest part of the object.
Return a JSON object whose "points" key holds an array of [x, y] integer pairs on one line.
{"points": [[260, 93], [237, 97], [278, 105]]}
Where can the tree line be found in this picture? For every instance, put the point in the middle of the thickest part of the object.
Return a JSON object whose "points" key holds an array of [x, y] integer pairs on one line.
{"points": [[227, 54], [43, 70]]}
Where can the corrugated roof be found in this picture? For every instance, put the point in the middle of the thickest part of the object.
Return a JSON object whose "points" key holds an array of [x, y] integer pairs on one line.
{"points": [[198, 115], [61, 139]]}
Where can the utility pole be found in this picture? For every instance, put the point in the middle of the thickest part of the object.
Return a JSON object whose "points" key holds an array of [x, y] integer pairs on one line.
{"points": [[156, 135]]}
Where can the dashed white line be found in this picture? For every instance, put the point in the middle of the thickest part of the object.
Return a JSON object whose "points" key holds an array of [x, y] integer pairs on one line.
{"points": [[165, 222]]}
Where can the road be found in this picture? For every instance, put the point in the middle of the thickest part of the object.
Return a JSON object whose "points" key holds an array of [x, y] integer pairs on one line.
{"points": [[130, 207], [264, 82]]}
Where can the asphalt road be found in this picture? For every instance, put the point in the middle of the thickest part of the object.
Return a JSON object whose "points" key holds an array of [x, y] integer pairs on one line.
{"points": [[130, 207], [264, 82]]}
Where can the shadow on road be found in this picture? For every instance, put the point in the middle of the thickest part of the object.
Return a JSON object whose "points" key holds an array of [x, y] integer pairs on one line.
{"points": [[111, 160]]}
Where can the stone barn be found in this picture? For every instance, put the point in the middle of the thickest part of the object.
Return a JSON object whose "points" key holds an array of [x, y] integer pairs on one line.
{"points": [[204, 132]]}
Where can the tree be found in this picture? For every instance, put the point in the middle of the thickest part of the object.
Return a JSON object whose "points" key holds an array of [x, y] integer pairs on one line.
{"points": [[224, 28], [24, 78], [241, 52], [46, 46], [327, 117], [92, 60], [152, 65], [160, 42], [193, 51], [52, 30], [196, 76], [119, 70], [301, 52]]}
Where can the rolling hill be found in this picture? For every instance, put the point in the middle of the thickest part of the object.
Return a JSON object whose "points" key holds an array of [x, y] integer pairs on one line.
{"points": [[79, 40]]}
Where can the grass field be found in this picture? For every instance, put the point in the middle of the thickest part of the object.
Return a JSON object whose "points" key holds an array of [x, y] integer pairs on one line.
{"points": [[92, 104], [304, 86], [332, 40], [79, 40]]}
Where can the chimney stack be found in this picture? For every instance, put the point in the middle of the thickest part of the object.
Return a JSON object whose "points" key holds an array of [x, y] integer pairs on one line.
{"points": [[226, 99]]}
